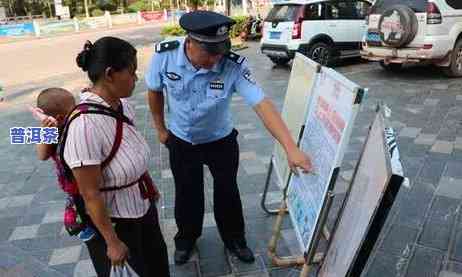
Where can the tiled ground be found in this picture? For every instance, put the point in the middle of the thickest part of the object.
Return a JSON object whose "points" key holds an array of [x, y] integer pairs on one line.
{"points": [[422, 237]]}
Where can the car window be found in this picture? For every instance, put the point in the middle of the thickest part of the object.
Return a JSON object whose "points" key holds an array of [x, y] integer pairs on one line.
{"points": [[417, 5], [455, 4], [313, 12], [346, 10], [362, 9], [283, 13]]}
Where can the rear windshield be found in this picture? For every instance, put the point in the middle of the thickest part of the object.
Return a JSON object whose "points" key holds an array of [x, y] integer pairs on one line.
{"points": [[283, 13], [381, 5]]}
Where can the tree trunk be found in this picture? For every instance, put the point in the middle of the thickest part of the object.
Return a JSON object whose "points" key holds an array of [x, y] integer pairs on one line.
{"points": [[228, 7], [20, 8], [87, 13], [49, 8], [195, 4], [11, 11]]}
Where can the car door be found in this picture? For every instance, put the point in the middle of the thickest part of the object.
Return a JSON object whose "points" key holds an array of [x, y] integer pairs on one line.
{"points": [[313, 22], [346, 22], [362, 10]]}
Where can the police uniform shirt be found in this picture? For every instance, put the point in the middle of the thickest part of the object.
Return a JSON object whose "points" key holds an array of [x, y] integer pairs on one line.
{"points": [[199, 100]]}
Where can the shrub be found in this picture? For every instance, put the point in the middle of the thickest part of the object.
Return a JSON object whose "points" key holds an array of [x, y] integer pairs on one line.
{"points": [[172, 30], [138, 6], [96, 12], [238, 28], [107, 5], [176, 30]]}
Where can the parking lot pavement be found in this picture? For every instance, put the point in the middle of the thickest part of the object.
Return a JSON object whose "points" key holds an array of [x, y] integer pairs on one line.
{"points": [[422, 236]]}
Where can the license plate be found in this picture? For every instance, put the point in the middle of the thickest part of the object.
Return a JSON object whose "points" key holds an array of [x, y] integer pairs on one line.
{"points": [[373, 37], [275, 35]]}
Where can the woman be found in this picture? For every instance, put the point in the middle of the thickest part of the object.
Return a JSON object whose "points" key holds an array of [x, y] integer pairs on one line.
{"points": [[126, 223]]}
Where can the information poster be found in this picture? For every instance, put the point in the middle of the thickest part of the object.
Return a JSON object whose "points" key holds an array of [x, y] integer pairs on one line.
{"points": [[331, 113], [362, 203], [302, 79]]}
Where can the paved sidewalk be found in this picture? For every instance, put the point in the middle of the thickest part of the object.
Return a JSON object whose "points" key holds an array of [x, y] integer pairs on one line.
{"points": [[422, 236]]}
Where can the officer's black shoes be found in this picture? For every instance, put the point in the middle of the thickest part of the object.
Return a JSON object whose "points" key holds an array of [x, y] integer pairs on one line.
{"points": [[182, 256], [241, 251]]}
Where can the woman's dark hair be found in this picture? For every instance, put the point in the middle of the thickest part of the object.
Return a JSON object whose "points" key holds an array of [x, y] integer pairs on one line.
{"points": [[105, 52]]}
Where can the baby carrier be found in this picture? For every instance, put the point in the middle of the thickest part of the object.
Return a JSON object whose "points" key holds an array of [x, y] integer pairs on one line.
{"points": [[76, 220]]}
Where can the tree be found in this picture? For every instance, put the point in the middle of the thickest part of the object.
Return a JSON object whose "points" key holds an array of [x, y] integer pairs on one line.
{"points": [[25, 7], [87, 13]]}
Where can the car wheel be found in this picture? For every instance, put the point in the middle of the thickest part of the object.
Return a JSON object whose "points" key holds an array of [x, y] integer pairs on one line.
{"points": [[393, 67], [455, 69], [279, 61], [321, 53]]}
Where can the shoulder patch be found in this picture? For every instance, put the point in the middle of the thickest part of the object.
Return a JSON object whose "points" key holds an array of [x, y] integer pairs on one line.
{"points": [[248, 76], [235, 57], [166, 46]]}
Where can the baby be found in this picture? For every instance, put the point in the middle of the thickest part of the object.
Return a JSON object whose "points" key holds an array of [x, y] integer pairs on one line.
{"points": [[55, 103], [53, 106]]}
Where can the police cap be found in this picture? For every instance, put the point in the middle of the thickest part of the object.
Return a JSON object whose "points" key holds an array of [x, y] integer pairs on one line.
{"points": [[210, 29]]}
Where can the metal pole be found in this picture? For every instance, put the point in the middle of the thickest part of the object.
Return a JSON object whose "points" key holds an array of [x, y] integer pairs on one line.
{"points": [[265, 190], [281, 261], [322, 220]]}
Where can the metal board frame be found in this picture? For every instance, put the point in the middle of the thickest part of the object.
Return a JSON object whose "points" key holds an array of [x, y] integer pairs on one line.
{"points": [[298, 96], [385, 197]]}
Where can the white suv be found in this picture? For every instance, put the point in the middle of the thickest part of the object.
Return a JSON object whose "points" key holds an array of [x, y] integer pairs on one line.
{"points": [[415, 31], [320, 29]]}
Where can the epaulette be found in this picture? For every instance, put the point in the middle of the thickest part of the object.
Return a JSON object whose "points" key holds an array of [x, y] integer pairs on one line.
{"points": [[235, 58], [166, 46]]}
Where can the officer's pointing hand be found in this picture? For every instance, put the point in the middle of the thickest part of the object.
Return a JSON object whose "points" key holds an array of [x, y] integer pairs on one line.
{"points": [[298, 159]]}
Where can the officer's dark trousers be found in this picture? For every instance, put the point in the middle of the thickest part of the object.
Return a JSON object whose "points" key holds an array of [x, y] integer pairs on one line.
{"points": [[186, 162], [148, 252]]}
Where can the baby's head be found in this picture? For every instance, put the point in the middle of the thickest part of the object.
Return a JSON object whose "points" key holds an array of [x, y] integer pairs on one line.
{"points": [[56, 102]]}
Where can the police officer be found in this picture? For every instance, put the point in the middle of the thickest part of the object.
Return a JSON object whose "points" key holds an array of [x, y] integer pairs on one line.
{"points": [[199, 76]]}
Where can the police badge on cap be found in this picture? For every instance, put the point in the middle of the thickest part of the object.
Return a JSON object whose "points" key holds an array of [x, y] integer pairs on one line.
{"points": [[210, 29]]}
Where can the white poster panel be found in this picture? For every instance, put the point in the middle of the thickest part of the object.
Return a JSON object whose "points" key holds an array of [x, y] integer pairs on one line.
{"points": [[301, 82], [327, 130], [369, 185]]}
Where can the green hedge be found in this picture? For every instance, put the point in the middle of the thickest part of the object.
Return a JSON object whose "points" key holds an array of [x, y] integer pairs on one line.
{"points": [[172, 30], [176, 30], [237, 28], [96, 12], [139, 6]]}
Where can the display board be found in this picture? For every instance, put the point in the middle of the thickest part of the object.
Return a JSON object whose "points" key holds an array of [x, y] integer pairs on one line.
{"points": [[301, 82], [331, 113], [94, 22], [154, 16], [22, 29], [360, 223], [57, 26], [127, 18]]}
